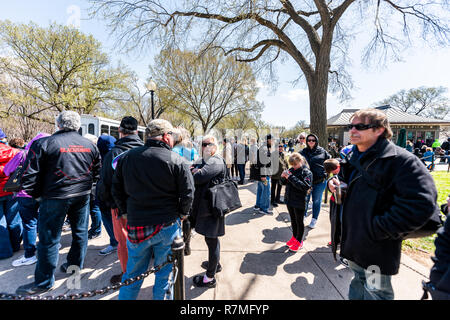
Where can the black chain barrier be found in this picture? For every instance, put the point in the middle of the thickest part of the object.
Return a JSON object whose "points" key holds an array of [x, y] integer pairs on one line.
{"points": [[174, 258]]}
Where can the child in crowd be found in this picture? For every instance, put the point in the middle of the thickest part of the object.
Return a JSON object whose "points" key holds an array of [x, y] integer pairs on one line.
{"points": [[298, 181], [332, 166]]}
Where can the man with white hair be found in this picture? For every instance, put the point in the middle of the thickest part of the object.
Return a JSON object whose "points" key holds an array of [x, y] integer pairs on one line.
{"points": [[60, 171]]}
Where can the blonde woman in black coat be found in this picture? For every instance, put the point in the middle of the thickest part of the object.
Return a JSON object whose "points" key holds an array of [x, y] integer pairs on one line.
{"points": [[211, 171]]}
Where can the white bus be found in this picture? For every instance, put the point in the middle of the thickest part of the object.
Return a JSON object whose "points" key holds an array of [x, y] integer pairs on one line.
{"points": [[99, 125]]}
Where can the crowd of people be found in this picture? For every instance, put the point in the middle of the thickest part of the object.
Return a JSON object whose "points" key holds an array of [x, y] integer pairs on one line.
{"points": [[146, 194]]}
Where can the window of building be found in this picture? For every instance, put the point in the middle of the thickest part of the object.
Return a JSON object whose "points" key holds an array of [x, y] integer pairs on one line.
{"points": [[91, 129], [104, 129], [410, 135], [114, 131]]}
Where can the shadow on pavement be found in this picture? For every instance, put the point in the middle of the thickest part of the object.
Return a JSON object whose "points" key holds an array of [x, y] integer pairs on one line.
{"points": [[310, 285], [265, 263], [243, 216]]}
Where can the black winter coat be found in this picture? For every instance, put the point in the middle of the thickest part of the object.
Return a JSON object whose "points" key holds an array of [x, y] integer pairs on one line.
{"points": [[374, 219], [205, 222], [440, 272], [297, 186], [63, 165], [106, 175], [153, 185], [316, 157]]}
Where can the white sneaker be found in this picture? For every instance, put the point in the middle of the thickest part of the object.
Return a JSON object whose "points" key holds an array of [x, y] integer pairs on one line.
{"points": [[269, 212], [22, 261], [108, 250], [312, 225]]}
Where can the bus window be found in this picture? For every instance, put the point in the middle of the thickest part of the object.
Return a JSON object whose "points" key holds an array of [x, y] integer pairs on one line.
{"points": [[114, 132], [141, 135], [104, 129], [91, 128]]}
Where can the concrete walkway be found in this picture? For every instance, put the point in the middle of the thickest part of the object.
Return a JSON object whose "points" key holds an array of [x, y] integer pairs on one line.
{"points": [[256, 264]]}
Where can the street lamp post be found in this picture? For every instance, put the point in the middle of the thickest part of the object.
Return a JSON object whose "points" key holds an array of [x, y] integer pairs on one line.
{"points": [[151, 86]]}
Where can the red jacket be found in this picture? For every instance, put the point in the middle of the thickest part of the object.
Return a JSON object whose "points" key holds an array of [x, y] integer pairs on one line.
{"points": [[6, 154]]}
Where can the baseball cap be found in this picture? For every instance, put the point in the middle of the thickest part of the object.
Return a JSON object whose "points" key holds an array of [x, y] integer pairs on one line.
{"points": [[158, 127]]}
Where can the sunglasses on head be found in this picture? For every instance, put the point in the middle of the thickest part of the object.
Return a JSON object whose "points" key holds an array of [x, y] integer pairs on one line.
{"points": [[360, 126]]}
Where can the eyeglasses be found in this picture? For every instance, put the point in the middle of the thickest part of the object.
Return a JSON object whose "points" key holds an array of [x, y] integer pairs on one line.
{"points": [[204, 145], [360, 126], [311, 140]]}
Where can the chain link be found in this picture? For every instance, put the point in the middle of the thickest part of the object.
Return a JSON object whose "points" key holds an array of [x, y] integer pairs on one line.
{"points": [[89, 294]]}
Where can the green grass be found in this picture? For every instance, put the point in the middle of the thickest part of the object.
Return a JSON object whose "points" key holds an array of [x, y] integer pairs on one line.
{"points": [[442, 181]]}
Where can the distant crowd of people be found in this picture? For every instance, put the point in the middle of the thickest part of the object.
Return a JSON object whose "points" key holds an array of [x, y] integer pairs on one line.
{"points": [[146, 194]]}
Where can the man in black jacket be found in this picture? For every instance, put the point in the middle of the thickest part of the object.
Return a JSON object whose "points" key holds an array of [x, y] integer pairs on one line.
{"points": [[266, 165], [389, 195], [440, 272], [128, 139], [60, 171], [154, 187]]}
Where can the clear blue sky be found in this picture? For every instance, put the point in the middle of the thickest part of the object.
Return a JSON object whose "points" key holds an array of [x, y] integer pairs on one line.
{"points": [[288, 104]]}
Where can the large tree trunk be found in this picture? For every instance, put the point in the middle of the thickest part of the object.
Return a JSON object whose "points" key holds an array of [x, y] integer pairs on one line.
{"points": [[318, 113], [318, 89]]}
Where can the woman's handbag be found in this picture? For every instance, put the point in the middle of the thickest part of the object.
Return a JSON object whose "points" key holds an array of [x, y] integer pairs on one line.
{"points": [[14, 183], [224, 196]]}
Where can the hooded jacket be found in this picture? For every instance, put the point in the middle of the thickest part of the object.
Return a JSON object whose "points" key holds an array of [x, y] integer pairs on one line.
{"points": [[104, 185], [297, 186], [64, 165], [19, 159], [316, 157], [6, 154], [104, 144]]}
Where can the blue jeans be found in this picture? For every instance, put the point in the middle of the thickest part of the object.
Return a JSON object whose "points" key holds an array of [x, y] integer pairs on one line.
{"points": [[241, 168], [52, 213], [10, 227], [96, 217], [366, 285], [107, 222], [139, 255], [29, 212], [263, 195], [317, 193]]}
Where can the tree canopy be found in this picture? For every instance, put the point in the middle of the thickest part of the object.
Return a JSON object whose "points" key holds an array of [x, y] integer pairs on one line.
{"points": [[206, 87], [53, 69], [429, 102], [314, 33]]}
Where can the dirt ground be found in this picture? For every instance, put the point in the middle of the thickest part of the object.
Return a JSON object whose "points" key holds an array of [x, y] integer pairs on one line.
{"points": [[423, 258]]}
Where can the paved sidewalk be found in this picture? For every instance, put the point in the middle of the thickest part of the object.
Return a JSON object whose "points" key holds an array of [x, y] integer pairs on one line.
{"points": [[256, 264]]}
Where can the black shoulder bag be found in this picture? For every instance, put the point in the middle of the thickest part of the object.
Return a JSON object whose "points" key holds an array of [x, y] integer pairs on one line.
{"points": [[224, 196], [14, 183]]}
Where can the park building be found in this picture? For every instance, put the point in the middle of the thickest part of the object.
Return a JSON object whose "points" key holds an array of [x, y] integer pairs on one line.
{"points": [[417, 127]]}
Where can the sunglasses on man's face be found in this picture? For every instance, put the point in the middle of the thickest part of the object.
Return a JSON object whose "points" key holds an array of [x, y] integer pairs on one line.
{"points": [[360, 126]]}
